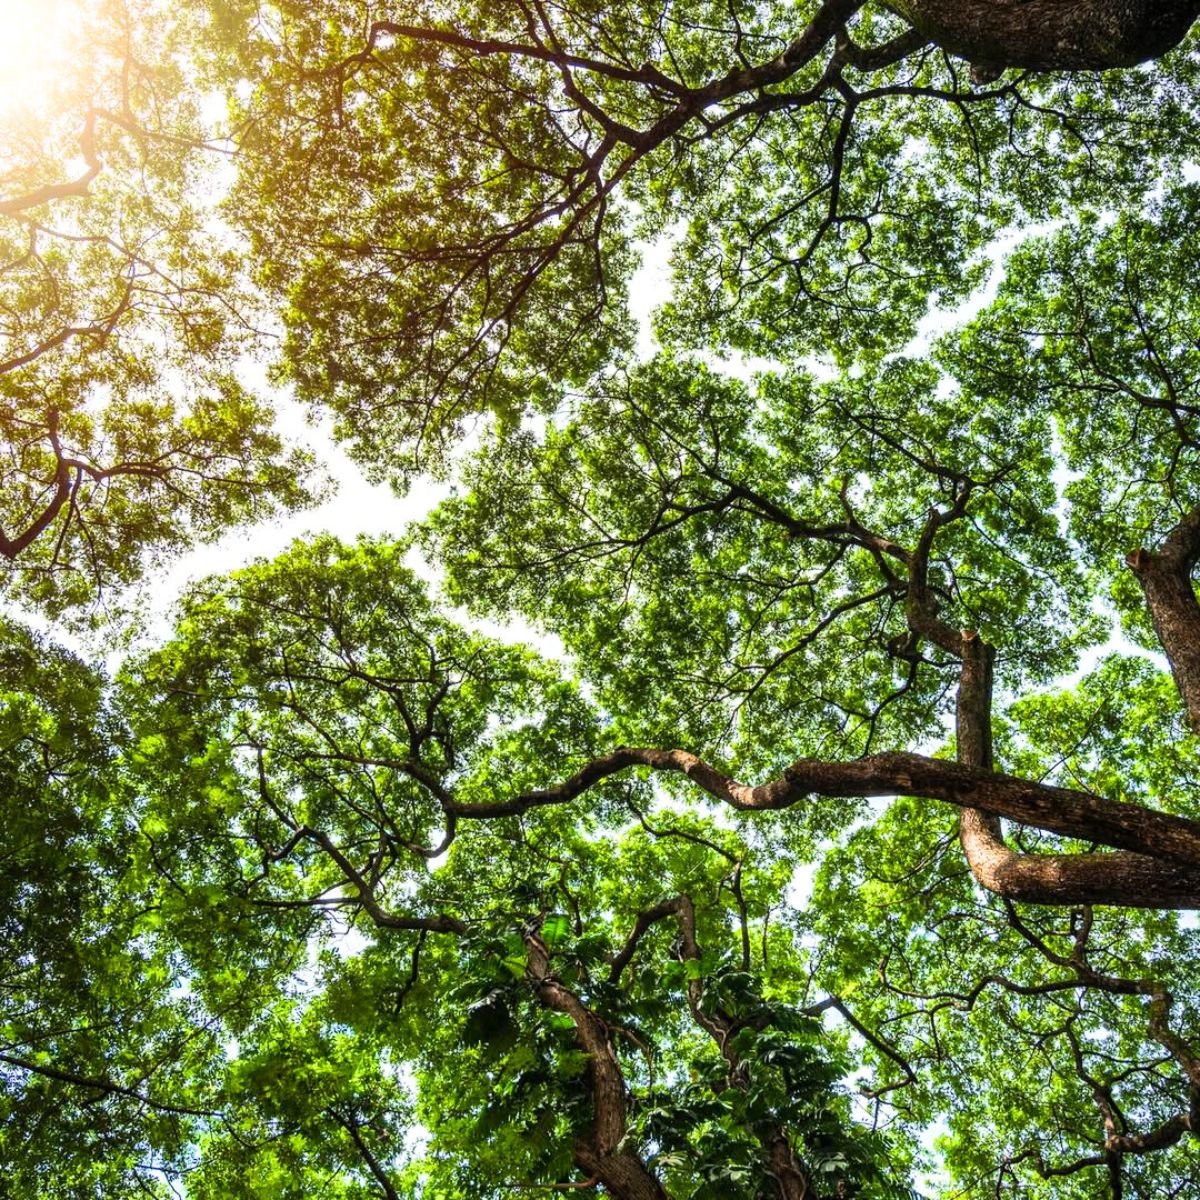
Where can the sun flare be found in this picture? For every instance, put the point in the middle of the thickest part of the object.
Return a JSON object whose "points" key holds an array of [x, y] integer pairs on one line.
{"points": [[38, 41]]}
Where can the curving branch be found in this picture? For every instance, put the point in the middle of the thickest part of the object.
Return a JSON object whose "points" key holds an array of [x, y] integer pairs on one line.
{"points": [[365, 898], [644, 921], [1164, 849], [1165, 576], [603, 1154], [1155, 858], [607, 142], [1152, 876], [1050, 35], [36, 197], [69, 474]]}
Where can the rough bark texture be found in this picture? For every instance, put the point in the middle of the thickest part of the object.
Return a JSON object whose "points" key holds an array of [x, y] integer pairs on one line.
{"points": [[599, 1155], [1051, 35], [1056, 809], [980, 831], [1166, 579], [1128, 880], [791, 1183], [1132, 880], [1162, 869]]}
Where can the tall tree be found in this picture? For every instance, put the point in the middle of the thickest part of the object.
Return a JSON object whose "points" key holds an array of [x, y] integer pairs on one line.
{"points": [[447, 202], [841, 826], [126, 432]]}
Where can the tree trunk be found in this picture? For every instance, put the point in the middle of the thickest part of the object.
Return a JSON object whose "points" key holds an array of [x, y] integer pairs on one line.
{"points": [[600, 1154], [1051, 35], [1166, 579]]}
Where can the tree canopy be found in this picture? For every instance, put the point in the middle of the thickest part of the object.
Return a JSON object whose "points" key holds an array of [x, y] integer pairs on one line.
{"points": [[836, 833]]}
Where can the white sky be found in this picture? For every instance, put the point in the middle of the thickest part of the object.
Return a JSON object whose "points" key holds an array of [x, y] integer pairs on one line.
{"points": [[35, 52], [356, 506]]}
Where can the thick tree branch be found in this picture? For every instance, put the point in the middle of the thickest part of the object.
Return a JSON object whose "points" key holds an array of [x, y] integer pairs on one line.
{"points": [[1152, 877], [601, 1154], [11, 546], [1166, 579], [1159, 1138], [1051, 35], [1042, 806], [876, 58], [921, 607]]}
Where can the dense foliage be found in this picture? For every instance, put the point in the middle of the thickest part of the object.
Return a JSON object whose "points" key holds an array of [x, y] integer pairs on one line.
{"points": [[837, 834]]}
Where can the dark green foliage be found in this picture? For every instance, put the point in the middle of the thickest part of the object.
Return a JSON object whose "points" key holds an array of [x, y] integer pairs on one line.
{"points": [[341, 890]]}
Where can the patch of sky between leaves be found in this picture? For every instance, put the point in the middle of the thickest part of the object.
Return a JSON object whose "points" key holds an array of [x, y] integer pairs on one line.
{"points": [[650, 287], [357, 507]]}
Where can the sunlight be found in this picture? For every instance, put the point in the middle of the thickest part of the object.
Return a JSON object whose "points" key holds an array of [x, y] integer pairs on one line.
{"points": [[37, 40]]}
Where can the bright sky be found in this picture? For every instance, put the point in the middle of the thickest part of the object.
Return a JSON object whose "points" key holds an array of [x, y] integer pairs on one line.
{"points": [[358, 506], [36, 46]]}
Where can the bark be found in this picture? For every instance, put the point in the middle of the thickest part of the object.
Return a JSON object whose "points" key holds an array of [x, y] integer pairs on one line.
{"points": [[1133, 880], [979, 830], [599, 1154], [787, 1174], [644, 921], [1160, 873], [1128, 880], [1146, 832], [1051, 35], [69, 472], [1166, 579], [1166, 1134]]}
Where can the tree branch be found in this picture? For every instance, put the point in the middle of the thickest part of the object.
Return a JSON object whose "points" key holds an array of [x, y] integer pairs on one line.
{"points": [[1166, 579], [106, 1086], [1146, 832], [783, 1166], [600, 1155], [641, 925]]}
